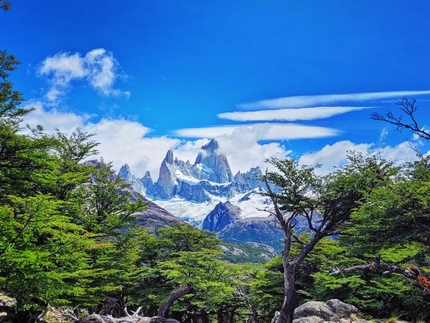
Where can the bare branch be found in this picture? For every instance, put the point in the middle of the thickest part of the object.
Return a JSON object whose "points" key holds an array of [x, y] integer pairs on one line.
{"points": [[409, 107]]}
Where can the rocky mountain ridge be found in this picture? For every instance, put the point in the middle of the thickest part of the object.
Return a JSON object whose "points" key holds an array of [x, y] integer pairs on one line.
{"points": [[209, 176]]}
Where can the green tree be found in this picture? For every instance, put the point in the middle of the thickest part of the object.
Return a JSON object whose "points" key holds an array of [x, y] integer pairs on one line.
{"points": [[390, 225], [207, 288], [63, 222], [40, 249], [182, 274], [184, 237], [10, 99], [388, 235], [106, 203], [325, 203]]}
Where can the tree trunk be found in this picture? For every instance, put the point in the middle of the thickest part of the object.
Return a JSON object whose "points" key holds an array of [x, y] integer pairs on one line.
{"points": [[204, 316], [165, 307], [290, 297], [219, 315]]}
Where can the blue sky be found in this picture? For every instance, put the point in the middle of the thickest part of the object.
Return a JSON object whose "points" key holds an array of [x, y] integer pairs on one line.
{"points": [[266, 78]]}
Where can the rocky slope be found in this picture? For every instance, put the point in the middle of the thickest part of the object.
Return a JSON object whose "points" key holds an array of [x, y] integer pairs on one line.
{"points": [[260, 230], [221, 216]]}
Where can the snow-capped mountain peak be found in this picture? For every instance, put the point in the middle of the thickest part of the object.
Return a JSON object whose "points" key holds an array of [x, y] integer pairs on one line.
{"points": [[191, 191]]}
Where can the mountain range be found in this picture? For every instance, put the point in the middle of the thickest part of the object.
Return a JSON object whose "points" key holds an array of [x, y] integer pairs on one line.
{"points": [[206, 194]]}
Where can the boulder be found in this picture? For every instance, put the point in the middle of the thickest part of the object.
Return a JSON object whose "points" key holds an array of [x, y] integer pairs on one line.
{"points": [[332, 311], [342, 309], [318, 309]]}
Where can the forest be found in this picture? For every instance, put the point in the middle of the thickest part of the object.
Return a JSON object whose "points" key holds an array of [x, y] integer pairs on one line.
{"points": [[67, 242]]}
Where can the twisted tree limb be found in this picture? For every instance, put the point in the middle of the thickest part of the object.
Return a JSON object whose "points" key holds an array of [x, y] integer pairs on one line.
{"points": [[413, 272], [165, 307]]}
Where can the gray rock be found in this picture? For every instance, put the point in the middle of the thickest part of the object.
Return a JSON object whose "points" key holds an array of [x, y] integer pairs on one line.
{"points": [[340, 308], [193, 193], [314, 308], [167, 179], [260, 230], [333, 311], [220, 171], [7, 301]]}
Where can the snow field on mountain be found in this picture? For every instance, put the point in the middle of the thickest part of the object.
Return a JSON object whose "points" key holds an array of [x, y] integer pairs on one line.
{"points": [[195, 213]]}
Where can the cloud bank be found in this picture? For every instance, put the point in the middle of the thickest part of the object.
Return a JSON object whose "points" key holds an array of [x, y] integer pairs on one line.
{"points": [[123, 141]]}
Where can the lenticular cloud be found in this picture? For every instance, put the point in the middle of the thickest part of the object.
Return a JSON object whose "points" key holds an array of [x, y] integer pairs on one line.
{"points": [[314, 100]]}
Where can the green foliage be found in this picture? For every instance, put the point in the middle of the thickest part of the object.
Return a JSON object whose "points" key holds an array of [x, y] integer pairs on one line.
{"points": [[10, 112], [294, 182], [26, 165], [184, 237], [267, 289], [70, 172], [324, 203], [182, 255], [391, 220], [39, 250], [210, 278], [104, 201]]}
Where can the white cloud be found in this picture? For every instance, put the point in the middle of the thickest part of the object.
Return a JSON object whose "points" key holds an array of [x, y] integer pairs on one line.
{"points": [[98, 67], [289, 114], [264, 131], [188, 150], [121, 141], [243, 150], [331, 156], [124, 141], [63, 67], [312, 100], [53, 119]]}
